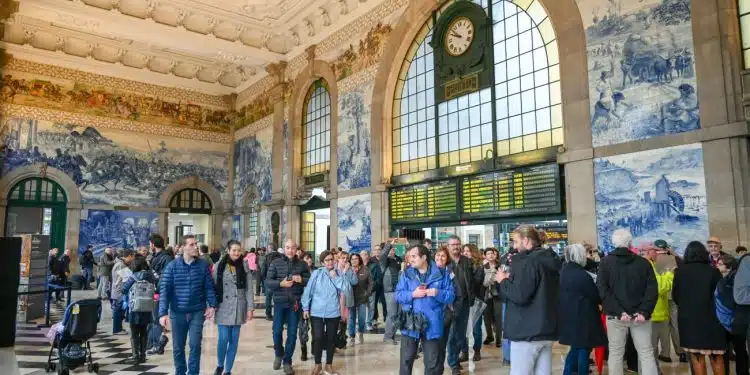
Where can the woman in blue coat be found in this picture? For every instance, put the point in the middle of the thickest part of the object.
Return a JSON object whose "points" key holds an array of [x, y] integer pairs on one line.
{"points": [[579, 324], [425, 290]]}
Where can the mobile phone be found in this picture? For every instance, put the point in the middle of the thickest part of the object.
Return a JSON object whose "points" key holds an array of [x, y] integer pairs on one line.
{"points": [[422, 286]]}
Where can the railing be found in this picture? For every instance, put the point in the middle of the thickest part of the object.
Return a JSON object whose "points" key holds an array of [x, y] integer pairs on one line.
{"points": [[50, 288]]}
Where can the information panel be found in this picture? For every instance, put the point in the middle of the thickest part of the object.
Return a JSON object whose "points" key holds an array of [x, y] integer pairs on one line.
{"points": [[523, 191], [433, 201]]}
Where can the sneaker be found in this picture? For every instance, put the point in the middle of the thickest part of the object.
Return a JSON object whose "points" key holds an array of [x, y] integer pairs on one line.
{"points": [[477, 356], [277, 363], [288, 369], [488, 341], [351, 342], [219, 371]]}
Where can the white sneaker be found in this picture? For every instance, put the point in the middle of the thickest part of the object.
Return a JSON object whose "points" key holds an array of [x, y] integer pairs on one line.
{"points": [[351, 342]]}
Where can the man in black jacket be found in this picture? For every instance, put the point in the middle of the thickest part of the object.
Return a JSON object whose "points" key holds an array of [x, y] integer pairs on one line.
{"points": [[159, 262], [271, 255], [391, 267], [286, 277], [87, 263], [628, 288], [463, 287], [532, 294], [104, 283]]}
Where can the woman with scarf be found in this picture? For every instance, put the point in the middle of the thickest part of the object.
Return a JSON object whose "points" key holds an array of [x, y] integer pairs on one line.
{"points": [[493, 314], [234, 295]]}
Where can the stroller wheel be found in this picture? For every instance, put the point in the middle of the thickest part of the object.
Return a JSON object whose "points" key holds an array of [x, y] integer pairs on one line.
{"points": [[93, 367], [63, 371]]}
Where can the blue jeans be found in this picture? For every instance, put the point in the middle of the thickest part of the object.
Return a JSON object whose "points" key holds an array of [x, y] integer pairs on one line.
{"points": [[457, 333], [358, 313], [229, 337], [154, 329], [286, 315], [268, 302], [477, 333], [506, 342], [117, 315], [88, 274], [578, 358], [184, 325]]}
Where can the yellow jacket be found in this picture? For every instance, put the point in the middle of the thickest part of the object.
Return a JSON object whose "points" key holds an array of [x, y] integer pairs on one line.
{"points": [[664, 280]]}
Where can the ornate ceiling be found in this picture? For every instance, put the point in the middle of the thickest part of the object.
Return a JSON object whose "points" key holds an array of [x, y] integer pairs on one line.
{"points": [[214, 46]]}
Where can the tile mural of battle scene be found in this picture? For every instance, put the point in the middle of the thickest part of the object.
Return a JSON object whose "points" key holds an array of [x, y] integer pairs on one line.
{"points": [[252, 166], [354, 223], [354, 138], [116, 229], [642, 80], [111, 166], [65, 95], [657, 194]]}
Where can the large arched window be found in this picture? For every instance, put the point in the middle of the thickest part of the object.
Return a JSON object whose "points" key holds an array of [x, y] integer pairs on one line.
{"points": [[527, 111], [316, 130], [190, 201]]}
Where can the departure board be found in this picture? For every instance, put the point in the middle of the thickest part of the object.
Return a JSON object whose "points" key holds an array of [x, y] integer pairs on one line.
{"points": [[433, 201], [523, 191]]}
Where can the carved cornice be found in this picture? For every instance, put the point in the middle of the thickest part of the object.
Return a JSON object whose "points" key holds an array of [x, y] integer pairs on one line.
{"points": [[14, 110], [253, 128], [276, 71]]}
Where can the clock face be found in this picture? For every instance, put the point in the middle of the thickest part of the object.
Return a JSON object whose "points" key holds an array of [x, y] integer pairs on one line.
{"points": [[459, 36]]}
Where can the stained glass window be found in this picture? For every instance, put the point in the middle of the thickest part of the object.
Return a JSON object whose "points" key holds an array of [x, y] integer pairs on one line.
{"points": [[316, 130], [526, 96]]}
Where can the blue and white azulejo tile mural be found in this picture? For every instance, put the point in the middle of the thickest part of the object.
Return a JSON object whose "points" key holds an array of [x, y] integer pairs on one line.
{"points": [[354, 222], [657, 194], [252, 166], [641, 65], [116, 229], [353, 139], [113, 167]]}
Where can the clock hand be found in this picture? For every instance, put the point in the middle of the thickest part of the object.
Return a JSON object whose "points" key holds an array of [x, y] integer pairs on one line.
{"points": [[456, 35]]}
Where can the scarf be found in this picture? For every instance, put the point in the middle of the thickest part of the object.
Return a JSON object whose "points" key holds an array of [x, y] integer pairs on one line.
{"points": [[240, 276]]}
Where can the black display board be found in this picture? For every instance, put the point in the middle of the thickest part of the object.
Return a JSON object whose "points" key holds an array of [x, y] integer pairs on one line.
{"points": [[526, 191], [518, 192], [434, 201], [10, 250], [35, 303]]}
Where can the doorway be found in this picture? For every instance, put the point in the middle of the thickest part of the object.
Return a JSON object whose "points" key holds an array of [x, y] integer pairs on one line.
{"points": [[189, 213], [316, 226], [37, 205]]}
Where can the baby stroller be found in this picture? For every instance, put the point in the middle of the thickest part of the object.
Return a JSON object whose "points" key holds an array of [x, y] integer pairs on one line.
{"points": [[72, 342]]}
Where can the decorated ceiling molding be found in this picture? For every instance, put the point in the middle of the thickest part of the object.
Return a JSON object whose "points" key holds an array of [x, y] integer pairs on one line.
{"points": [[215, 46]]}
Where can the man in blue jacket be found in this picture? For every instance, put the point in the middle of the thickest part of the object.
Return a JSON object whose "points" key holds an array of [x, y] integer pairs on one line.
{"points": [[186, 292], [286, 279]]}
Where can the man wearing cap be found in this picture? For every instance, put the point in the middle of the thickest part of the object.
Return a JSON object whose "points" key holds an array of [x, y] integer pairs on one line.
{"points": [[674, 333], [714, 250]]}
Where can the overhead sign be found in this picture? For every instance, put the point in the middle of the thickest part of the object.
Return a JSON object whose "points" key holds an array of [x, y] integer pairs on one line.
{"points": [[434, 201]]}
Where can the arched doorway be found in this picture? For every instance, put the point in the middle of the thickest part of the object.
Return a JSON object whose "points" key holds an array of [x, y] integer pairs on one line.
{"points": [[315, 228], [190, 213], [37, 205]]}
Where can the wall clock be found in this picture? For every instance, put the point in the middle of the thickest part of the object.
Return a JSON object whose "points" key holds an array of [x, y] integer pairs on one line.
{"points": [[459, 36]]}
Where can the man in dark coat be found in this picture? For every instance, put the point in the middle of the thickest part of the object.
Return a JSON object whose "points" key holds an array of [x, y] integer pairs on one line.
{"points": [[464, 289], [628, 288], [271, 255], [286, 277], [532, 293], [106, 262], [87, 263], [159, 262], [391, 266]]}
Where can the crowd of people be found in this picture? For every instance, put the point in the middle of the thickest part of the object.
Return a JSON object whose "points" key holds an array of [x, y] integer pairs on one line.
{"points": [[634, 303]]}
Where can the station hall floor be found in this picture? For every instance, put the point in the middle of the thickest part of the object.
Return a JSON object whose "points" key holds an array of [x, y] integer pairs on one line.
{"points": [[255, 355]]}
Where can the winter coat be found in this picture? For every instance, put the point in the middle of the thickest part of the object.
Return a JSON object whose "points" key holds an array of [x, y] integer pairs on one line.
{"points": [[391, 272], [364, 286], [235, 303], [579, 322], [477, 281], [120, 273], [432, 308], [87, 260], [267, 260], [627, 284], [138, 317], [106, 262], [463, 282], [159, 262], [664, 283], [186, 288], [532, 295], [278, 271], [693, 292], [377, 274], [321, 296]]}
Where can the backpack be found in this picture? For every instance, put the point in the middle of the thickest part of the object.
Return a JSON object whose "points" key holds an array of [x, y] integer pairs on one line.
{"points": [[731, 315], [141, 296]]}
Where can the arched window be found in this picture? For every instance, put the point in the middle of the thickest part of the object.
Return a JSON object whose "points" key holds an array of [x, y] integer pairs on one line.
{"points": [[190, 201], [316, 130], [35, 191], [527, 112]]}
